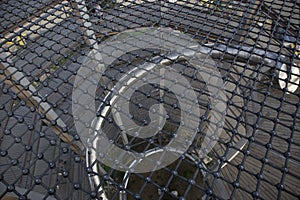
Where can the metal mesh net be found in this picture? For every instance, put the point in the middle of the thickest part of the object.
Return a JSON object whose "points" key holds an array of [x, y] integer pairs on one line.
{"points": [[149, 99]]}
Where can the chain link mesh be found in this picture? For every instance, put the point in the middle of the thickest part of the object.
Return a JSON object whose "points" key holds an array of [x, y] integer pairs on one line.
{"points": [[254, 47]]}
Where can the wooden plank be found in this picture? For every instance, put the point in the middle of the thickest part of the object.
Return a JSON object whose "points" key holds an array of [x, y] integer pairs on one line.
{"points": [[271, 172], [18, 83]]}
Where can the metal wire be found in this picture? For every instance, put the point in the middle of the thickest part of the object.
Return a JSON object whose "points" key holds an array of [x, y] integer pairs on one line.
{"points": [[201, 96]]}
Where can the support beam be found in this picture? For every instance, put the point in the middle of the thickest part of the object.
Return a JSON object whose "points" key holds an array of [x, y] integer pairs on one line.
{"points": [[25, 90]]}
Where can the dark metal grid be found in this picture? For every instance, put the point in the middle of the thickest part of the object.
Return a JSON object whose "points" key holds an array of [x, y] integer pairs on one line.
{"points": [[37, 151]]}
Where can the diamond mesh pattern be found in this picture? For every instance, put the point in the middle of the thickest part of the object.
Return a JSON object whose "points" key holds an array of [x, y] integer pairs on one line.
{"points": [[254, 46]]}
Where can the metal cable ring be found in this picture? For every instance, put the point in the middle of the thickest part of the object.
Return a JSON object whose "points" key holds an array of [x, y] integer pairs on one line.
{"points": [[95, 180], [90, 73]]}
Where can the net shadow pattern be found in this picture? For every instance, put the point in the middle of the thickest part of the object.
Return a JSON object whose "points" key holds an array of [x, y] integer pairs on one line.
{"points": [[43, 45]]}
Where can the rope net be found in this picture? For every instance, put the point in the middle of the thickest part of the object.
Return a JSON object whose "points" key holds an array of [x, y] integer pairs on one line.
{"points": [[146, 99]]}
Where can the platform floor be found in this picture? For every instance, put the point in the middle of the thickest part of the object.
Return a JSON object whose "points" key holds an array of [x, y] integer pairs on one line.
{"points": [[27, 143]]}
